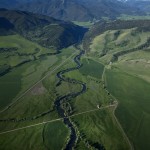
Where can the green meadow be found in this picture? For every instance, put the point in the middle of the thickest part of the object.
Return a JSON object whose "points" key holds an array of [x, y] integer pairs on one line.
{"points": [[92, 68], [133, 110]]}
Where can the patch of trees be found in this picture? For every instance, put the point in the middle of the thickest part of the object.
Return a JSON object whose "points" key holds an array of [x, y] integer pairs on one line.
{"points": [[12, 49], [98, 146], [4, 69], [49, 54], [22, 63]]}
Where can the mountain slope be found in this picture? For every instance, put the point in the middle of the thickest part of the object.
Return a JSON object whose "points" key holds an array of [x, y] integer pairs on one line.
{"points": [[80, 10], [108, 8], [60, 9], [41, 29]]}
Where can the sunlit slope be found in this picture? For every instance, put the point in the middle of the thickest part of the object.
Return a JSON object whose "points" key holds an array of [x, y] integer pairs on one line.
{"points": [[113, 41]]}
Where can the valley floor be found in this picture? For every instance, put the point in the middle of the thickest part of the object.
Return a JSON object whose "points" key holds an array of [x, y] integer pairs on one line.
{"points": [[82, 101], [34, 116]]}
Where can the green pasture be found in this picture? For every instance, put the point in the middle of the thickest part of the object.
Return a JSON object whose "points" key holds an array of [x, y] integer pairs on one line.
{"points": [[91, 68], [134, 100]]}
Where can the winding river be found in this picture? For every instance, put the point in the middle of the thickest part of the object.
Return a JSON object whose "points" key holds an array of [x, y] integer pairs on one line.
{"points": [[59, 100]]}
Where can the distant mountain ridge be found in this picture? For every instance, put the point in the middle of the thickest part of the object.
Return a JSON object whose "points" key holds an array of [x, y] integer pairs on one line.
{"points": [[133, 0], [73, 10]]}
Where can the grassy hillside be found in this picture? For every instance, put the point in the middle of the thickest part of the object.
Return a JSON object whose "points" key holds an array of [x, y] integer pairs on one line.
{"points": [[136, 63], [118, 40], [113, 44]]}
